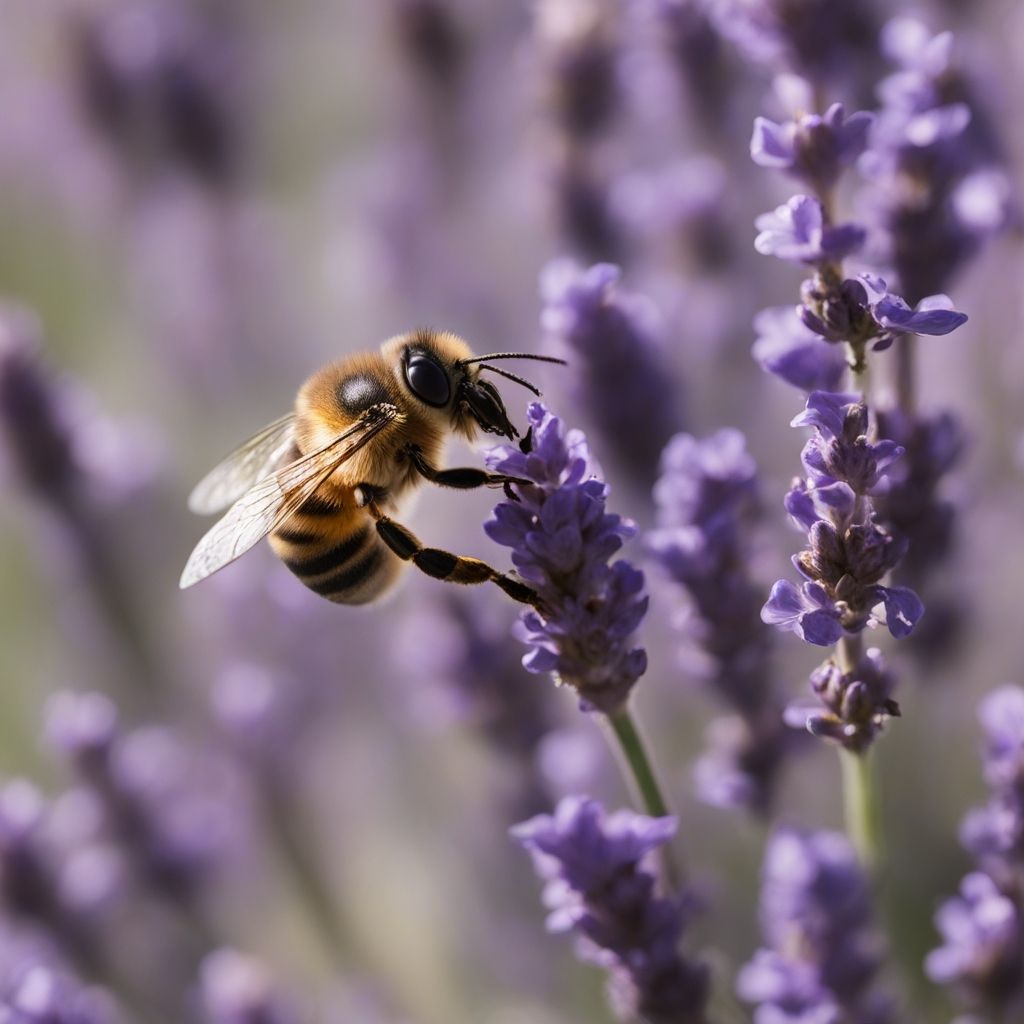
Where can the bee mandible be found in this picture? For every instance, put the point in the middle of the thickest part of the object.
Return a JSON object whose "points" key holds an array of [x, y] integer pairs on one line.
{"points": [[325, 481]]}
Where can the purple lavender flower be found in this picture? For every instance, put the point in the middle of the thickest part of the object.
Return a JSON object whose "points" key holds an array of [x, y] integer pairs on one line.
{"points": [[790, 350], [983, 932], [703, 496], [39, 993], [849, 553], [798, 232], [982, 928], [931, 138], [236, 989], [612, 338], [597, 887], [158, 82], [821, 953], [814, 148], [822, 40], [696, 49], [854, 705], [562, 539], [171, 829]]}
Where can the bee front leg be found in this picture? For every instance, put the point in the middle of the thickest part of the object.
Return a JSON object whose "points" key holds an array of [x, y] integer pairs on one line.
{"points": [[444, 565], [465, 478]]}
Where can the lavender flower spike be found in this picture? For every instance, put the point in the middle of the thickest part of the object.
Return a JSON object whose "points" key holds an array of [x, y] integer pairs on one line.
{"points": [[562, 539], [597, 887], [821, 953], [982, 928]]}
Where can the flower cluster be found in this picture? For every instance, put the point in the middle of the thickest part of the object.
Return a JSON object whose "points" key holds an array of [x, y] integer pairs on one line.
{"points": [[561, 539], [848, 552], [848, 555], [704, 496], [597, 887], [983, 927], [936, 186], [621, 372], [821, 953]]}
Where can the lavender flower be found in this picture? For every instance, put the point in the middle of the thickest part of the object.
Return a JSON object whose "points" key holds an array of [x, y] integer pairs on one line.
{"points": [[157, 81], [799, 233], [597, 887], [814, 148], [38, 993], [854, 705], [561, 539], [613, 339], [791, 351], [578, 45], [821, 953], [931, 142], [849, 552], [982, 928], [236, 989], [171, 830], [704, 496], [822, 40], [433, 39]]}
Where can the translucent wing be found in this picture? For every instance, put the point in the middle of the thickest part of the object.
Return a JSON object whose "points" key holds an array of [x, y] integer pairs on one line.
{"points": [[251, 462], [266, 505]]}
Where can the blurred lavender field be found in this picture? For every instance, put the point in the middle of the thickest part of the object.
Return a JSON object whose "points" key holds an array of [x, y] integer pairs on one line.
{"points": [[241, 804]]}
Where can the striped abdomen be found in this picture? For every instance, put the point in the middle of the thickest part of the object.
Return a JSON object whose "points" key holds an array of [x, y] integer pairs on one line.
{"points": [[335, 550]]}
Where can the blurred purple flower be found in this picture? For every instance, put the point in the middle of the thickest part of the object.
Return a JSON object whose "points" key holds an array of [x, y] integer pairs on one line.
{"points": [[983, 932], [983, 927], [160, 83], [597, 887], [562, 539], [822, 40], [40, 993], [793, 352], [164, 807], [432, 37], [814, 148], [821, 953], [704, 496], [237, 989], [798, 233], [624, 385]]}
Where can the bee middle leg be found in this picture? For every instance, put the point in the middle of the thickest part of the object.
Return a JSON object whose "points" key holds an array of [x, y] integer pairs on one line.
{"points": [[444, 565], [464, 478]]}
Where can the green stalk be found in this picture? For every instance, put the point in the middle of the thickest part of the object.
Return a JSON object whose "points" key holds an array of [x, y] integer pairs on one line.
{"points": [[647, 790], [861, 805]]}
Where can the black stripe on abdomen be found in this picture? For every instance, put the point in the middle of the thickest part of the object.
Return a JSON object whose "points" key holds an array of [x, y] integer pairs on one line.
{"points": [[332, 558], [346, 579]]}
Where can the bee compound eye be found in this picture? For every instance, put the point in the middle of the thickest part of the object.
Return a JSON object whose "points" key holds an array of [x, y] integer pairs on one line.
{"points": [[428, 380]]}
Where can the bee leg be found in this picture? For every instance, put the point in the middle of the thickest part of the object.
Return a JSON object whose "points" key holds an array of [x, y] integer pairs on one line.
{"points": [[464, 479], [443, 565]]}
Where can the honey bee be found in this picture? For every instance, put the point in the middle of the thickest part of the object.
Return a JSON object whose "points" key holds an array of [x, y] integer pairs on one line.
{"points": [[323, 482]]}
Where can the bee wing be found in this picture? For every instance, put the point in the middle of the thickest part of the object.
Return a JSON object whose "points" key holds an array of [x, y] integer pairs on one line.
{"points": [[266, 505], [251, 462]]}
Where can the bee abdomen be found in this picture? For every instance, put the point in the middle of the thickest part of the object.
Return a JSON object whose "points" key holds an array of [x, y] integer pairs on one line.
{"points": [[353, 570]]}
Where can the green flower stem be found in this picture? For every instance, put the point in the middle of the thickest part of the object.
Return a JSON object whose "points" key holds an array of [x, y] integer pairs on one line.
{"points": [[862, 809], [644, 782], [861, 805]]}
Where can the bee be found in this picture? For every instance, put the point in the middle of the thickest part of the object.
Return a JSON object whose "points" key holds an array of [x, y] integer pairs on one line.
{"points": [[324, 482]]}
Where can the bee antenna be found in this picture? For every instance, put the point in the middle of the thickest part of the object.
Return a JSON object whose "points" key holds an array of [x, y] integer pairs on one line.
{"points": [[513, 355], [511, 376]]}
